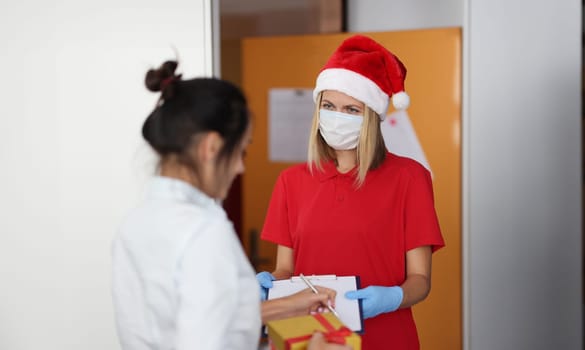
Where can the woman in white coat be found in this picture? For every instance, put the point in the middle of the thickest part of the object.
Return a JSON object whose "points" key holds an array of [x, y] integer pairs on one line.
{"points": [[180, 278]]}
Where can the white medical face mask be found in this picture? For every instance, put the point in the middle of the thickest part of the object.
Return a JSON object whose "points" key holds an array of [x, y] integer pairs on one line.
{"points": [[341, 131]]}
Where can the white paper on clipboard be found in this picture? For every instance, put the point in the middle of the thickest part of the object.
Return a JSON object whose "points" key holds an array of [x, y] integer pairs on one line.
{"points": [[348, 310]]}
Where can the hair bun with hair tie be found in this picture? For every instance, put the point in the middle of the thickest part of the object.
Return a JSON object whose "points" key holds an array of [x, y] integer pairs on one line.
{"points": [[167, 81], [168, 87], [162, 79]]}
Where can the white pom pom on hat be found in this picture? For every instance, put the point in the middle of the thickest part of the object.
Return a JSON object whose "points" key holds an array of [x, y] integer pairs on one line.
{"points": [[365, 70], [401, 100]]}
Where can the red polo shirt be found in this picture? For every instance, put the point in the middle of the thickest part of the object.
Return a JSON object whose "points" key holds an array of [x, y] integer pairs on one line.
{"points": [[335, 228]]}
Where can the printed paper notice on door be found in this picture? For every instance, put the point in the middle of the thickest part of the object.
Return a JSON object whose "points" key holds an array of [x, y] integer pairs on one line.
{"points": [[290, 112]]}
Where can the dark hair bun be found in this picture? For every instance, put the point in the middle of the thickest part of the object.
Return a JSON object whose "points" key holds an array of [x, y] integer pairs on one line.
{"points": [[161, 79], [197, 106]]}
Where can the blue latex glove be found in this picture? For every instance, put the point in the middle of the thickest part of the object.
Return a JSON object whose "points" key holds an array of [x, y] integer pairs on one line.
{"points": [[265, 280], [377, 300]]}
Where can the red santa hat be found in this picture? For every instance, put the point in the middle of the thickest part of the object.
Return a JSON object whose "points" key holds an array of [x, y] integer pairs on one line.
{"points": [[366, 71]]}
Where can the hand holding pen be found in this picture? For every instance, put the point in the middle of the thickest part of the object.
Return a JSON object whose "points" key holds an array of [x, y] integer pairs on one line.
{"points": [[314, 290], [305, 302]]}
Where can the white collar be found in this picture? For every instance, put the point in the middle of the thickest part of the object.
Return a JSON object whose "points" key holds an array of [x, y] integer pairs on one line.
{"points": [[162, 187]]}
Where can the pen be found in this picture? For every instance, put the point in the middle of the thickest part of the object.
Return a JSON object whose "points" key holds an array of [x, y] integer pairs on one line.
{"points": [[310, 285]]}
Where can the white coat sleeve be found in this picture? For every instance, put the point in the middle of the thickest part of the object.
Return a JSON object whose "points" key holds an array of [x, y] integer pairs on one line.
{"points": [[208, 289], [125, 284]]}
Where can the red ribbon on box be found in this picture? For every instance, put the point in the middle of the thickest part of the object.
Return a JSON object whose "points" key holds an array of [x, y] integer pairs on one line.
{"points": [[336, 336]]}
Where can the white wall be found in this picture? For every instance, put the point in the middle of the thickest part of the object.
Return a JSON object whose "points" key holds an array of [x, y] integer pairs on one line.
{"points": [[386, 15], [522, 163], [72, 103]]}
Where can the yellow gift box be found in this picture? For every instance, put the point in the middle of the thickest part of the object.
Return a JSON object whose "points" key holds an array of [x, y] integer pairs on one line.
{"points": [[294, 333]]}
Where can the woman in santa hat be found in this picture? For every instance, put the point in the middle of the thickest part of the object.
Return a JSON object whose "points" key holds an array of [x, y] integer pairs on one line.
{"points": [[354, 208]]}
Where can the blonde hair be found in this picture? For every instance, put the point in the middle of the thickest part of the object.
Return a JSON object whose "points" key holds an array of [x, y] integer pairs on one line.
{"points": [[371, 150]]}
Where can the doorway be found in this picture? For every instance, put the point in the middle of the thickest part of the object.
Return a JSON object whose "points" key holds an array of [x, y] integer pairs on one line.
{"points": [[260, 18]]}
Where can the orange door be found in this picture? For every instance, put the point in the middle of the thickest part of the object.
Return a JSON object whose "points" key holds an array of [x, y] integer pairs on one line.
{"points": [[433, 83]]}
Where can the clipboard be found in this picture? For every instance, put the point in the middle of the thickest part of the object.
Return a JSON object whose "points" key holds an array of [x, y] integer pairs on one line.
{"points": [[350, 311]]}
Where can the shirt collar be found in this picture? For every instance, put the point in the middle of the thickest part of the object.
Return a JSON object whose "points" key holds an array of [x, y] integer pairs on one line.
{"points": [[330, 171], [162, 187]]}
